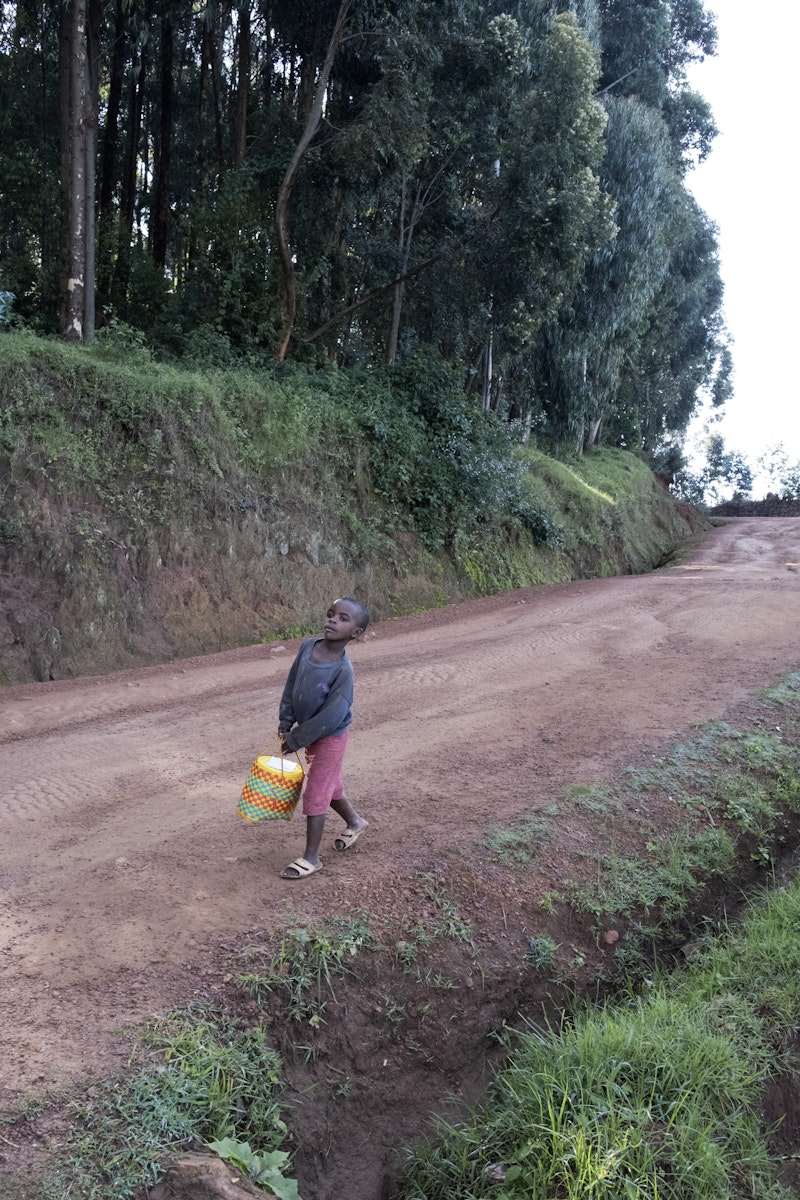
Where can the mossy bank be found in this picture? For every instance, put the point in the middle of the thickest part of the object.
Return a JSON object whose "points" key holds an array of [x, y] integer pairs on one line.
{"points": [[149, 513]]}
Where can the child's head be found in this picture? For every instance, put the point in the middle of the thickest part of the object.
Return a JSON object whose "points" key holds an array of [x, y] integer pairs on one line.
{"points": [[345, 619], [362, 614]]}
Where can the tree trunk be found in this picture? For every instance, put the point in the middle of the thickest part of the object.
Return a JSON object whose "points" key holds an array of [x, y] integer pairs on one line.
{"points": [[242, 86], [158, 244], [73, 323], [486, 390], [119, 287], [405, 240], [219, 136], [593, 432], [91, 120], [64, 116], [288, 288], [108, 167], [399, 288]]}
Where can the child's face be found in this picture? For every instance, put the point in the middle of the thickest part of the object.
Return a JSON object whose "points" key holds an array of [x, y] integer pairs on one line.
{"points": [[341, 622]]}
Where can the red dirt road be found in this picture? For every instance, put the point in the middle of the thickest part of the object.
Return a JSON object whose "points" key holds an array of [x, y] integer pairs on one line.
{"points": [[121, 856]]}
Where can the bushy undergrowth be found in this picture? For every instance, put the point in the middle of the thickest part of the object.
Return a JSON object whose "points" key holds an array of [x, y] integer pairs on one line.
{"points": [[252, 493], [402, 447], [432, 462]]}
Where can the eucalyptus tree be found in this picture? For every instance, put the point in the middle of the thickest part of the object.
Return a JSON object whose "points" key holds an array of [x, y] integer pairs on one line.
{"points": [[79, 71], [683, 351], [647, 45], [553, 213], [584, 351], [469, 185]]}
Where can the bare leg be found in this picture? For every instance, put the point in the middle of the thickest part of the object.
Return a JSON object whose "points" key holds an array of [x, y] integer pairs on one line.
{"points": [[355, 823], [345, 810], [314, 828]]}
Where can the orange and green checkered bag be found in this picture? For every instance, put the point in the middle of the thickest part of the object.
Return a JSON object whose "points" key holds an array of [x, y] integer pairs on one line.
{"points": [[271, 790]]}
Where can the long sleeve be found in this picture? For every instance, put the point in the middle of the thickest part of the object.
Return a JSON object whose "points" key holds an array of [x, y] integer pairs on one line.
{"points": [[286, 716], [316, 699], [332, 718]]}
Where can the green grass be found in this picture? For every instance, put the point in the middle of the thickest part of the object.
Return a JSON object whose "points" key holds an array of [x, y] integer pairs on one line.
{"points": [[198, 1077], [300, 973], [297, 979], [730, 794], [655, 1098], [518, 844], [391, 474]]}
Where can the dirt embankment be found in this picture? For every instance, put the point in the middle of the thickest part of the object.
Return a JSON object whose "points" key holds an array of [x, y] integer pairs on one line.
{"points": [[126, 876]]}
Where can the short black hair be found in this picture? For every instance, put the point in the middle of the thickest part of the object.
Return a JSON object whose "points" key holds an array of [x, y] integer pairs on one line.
{"points": [[364, 612]]}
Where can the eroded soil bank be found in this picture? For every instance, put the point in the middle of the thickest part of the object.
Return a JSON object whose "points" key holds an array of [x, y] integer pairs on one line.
{"points": [[129, 885]]}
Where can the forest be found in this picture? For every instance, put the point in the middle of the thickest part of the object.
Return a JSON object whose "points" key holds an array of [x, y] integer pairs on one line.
{"points": [[498, 186]]}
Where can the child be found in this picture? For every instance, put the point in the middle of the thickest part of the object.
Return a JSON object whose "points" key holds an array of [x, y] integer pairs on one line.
{"points": [[315, 712]]}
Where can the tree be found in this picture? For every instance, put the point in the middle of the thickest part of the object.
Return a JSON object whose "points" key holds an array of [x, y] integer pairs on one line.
{"points": [[782, 474], [585, 350], [31, 197], [310, 128], [721, 473]]}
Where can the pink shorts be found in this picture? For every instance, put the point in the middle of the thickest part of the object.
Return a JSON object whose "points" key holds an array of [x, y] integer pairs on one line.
{"points": [[324, 774]]}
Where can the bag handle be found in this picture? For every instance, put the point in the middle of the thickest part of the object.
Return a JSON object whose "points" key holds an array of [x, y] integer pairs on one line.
{"points": [[279, 746]]}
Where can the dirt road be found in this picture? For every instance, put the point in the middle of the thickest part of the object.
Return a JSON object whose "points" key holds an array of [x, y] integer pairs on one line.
{"points": [[122, 858]]}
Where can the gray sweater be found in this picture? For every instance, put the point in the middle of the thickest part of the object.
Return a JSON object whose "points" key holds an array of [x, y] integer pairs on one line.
{"points": [[317, 698]]}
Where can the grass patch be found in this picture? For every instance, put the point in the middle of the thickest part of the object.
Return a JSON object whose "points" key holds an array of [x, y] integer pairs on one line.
{"points": [[390, 475], [199, 1078], [653, 1099], [723, 796], [300, 974], [297, 980], [517, 844]]}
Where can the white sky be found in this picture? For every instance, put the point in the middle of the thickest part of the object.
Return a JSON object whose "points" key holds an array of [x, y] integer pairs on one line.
{"points": [[749, 186]]}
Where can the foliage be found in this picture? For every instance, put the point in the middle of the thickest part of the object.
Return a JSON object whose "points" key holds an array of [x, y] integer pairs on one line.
{"points": [[782, 474], [721, 472], [388, 472], [263, 1169], [202, 1078], [302, 970], [501, 189], [652, 1099]]}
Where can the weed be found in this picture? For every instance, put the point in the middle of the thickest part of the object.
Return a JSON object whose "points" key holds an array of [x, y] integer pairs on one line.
{"points": [[301, 972], [516, 845], [264, 1169], [549, 900], [395, 1012], [541, 952], [449, 923], [596, 799]]}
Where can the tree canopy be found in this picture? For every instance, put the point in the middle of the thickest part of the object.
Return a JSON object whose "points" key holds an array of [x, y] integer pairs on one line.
{"points": [[497, 185]]}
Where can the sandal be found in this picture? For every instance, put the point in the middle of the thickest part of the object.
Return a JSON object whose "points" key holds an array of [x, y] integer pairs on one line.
{"points": [[301, 868], [345, 840]]}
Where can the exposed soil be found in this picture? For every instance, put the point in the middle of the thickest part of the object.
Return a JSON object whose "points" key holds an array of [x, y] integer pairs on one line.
{"points": [[128, 884]]}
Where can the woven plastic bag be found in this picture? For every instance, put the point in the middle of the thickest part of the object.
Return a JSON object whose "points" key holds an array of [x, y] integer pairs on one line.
{"points": [[271, 790]]}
